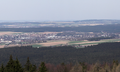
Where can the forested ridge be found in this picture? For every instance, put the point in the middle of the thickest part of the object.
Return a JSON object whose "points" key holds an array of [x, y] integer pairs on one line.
{"points": [[104, 57], [105, 52], [99, 28]]}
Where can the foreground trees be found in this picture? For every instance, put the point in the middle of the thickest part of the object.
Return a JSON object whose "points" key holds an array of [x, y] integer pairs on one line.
{"points": [[29, 67], [15, 66], [42, 68]]}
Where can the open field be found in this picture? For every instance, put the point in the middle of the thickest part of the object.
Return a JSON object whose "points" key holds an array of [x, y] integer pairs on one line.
{"points": [[36, 45], [2, 46], [90, 42], [90, 24], [8, 33], [77, 41], [13, 45], [87, 43], [53, 43]]}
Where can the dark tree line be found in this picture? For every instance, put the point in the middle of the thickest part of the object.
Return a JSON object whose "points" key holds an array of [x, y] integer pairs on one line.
{"points": [[105, 28], [105, 52], [15, 66], [100, 38]]}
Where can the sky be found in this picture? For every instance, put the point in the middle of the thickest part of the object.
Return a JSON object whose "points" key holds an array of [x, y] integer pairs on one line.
{"points": [[57, 10]]}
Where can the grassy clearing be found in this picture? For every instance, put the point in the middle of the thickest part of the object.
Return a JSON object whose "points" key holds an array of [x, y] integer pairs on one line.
{"points": [[36, 46], [111, 40], [76, 41], [93, 42], [89, 43]]}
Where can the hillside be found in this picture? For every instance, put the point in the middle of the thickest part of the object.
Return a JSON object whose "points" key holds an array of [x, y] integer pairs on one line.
{"points": [[67, 54], [113, 28]]}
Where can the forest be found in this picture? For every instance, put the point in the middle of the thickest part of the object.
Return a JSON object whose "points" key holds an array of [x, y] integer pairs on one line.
{"points": [[14, 65], [105, 52], [106, 28]]}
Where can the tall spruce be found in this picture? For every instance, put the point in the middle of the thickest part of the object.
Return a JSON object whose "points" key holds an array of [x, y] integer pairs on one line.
{"points": [[10, 65], [34, 68], [29, 67], [42, 67], [18, 67], [2, 68]]}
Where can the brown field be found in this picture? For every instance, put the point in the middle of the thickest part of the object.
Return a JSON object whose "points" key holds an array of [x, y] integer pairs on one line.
{"points": [[8, 33], [46, 24], [52, 43], [90, 24], [13, 45], [2, 46]]}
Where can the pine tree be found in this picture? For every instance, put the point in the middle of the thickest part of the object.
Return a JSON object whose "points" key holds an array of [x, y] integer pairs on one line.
{"points": [[18, 67], [10, 65], [27, 65], [13, 65], [33, 69], [2, 68], [42, 67]]}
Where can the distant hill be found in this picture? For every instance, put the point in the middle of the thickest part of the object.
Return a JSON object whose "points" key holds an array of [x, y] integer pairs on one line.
{"points": [[104, 21], [78, 23], [105, 28]]}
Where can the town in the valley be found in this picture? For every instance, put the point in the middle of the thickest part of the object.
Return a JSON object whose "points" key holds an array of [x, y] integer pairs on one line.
{"points": [[31, 38]]}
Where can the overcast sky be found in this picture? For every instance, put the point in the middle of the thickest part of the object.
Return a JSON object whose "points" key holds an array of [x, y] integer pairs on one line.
{"points": [[59, 9]]}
